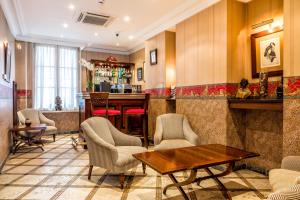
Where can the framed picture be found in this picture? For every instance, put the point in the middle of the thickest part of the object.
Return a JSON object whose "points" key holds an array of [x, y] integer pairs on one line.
{"points": [[7, 62], [153, 57], [139, 73], [267, 53]]}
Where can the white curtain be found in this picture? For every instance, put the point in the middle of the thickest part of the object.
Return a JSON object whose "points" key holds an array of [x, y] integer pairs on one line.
{"points": [[45, 77], [56, 74], [68, 79]]}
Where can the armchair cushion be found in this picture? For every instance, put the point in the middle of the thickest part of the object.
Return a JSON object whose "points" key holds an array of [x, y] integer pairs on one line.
{"points": [[289, 193], [282, 178], [172, 126], [101, 128], [125, 154], [171, 144]]}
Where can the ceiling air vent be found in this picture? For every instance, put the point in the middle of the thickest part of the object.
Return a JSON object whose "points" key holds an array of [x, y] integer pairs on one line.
{"points": [[95, 19]]}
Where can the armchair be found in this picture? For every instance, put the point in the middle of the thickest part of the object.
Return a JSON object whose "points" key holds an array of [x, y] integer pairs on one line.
{"points": [[173, 131], [37, 117], [109, 148], [285, 182]]}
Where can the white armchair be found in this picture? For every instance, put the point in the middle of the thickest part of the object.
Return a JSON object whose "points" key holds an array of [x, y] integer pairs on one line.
{"points": [[285, 182], [37, 117], [109, 148], [173, 131]]}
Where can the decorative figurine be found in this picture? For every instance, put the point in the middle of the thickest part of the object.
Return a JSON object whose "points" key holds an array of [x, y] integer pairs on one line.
{"points": [[263, 84], [58, 103], [279, 90], [173, 92], [243, 92]]}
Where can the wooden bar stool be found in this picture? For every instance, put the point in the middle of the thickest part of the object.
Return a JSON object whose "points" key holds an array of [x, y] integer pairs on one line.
{"points": [[143, 113], [99, 106]]}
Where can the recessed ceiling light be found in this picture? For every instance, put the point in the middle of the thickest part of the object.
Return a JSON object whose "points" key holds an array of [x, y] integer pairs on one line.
{"points": [[126, 19], [130, 37], [96, 34], [117, 44], [71, 7], [65, 25]]}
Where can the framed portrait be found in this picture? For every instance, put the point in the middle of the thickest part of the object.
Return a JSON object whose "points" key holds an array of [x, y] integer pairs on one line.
{"points": [[267, 53], [7, 62], [153, 57]]}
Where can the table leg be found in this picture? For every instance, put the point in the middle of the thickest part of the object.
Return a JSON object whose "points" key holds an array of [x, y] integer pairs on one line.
{"points": [[179, 185]]}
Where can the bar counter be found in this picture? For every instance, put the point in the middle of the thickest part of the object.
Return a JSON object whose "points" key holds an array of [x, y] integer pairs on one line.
{"points": [[118, 101]]}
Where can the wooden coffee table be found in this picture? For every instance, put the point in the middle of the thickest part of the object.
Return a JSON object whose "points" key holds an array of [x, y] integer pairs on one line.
{"points": [[32, 136], [167, 162]]}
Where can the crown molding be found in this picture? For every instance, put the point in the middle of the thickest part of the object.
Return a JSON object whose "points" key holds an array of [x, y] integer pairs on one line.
{"points": [[10, 14], [104, 50]]}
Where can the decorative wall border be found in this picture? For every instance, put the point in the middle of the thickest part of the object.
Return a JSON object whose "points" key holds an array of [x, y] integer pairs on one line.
{"points": [[292, 87], [159, 93], [219, 90], [24, 93]]}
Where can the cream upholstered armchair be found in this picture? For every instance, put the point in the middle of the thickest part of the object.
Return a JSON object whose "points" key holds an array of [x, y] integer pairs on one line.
{"points": [[109, 148], [285, 182], [37, 117], [173, 131]]}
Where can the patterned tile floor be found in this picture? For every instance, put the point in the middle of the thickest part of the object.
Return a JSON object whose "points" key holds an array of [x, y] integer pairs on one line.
{"points": [[60, 172]]}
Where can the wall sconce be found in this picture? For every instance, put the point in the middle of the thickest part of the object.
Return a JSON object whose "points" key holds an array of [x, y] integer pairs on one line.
{"points": [[272, 24], [19, 46]]}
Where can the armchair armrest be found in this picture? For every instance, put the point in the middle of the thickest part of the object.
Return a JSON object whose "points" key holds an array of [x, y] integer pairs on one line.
{"points": [[291, 163], [122, 139], [292, 192], [45, 120], [189, 134], [158, 131]]}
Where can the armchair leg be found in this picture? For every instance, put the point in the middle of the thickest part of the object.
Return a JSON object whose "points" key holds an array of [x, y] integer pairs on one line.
{"points": [[144, 168], [122, 180], [90, 172], [53, 137]]}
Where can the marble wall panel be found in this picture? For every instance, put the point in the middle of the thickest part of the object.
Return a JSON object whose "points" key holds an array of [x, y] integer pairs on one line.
{"points": [[65, 121]]}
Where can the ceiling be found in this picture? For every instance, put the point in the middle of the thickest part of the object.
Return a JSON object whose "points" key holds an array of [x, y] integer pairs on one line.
{"points": [[42, 21]]}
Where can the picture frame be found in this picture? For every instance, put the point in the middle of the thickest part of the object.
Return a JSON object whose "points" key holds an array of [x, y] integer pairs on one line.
{"points": [[267, 53], [139, 74], [153, 57], [7, 62]]}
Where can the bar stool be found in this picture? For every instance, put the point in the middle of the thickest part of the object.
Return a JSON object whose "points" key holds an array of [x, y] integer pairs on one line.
{"points": [[99, 106], [143, 113]]}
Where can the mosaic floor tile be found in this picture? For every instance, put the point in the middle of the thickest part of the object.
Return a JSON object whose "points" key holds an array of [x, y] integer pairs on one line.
{"points": [[60, 172]]}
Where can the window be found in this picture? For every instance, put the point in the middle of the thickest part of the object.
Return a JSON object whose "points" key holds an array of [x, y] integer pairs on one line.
{"points": [[56, 74]]}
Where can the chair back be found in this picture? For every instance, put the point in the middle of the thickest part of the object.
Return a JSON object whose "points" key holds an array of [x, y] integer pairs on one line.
{"points": [[31, 114], [100, 126], [146, 103], [172, 125], [99, 100]]}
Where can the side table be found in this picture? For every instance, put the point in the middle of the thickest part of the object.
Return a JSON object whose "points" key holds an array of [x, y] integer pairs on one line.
{"points": [[27, 135]]}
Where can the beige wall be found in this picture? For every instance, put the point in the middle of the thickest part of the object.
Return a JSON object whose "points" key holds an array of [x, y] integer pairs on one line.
{"points": [[138, 58], [201, 47], [6, 103], [156, 76], [291, 38]]}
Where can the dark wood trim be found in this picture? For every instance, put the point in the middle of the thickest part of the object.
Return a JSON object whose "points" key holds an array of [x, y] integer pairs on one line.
{"points": [[255, 73], [97, 62], [257, 106]]}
